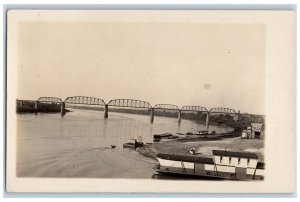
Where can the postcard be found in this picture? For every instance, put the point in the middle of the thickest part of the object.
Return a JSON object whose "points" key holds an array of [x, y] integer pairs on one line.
{"points": [[151, 101]]}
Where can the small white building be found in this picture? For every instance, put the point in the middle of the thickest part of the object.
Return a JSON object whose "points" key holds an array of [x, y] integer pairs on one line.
{"points": [[253, 131], [240, 164], [257, 130]]}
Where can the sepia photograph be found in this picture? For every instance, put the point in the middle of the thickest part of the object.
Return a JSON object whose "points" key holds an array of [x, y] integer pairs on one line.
{"points": [[145, 97]]}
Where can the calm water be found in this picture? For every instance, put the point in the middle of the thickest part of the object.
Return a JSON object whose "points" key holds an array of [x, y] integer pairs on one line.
{"points": [[77, 145]]}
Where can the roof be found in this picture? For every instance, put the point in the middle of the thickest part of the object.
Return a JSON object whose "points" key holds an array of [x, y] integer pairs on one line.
{"points": [[186, 158], [257, 126], [235, 154]]}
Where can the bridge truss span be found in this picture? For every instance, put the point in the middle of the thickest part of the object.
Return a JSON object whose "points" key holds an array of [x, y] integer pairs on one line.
{"points": [[222, 110], [166, 107], [84, 100], [50, 99], [129, 103], [194, 109]]}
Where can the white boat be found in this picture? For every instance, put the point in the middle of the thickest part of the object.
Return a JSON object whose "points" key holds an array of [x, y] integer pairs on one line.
{"points": [[223, 164]]}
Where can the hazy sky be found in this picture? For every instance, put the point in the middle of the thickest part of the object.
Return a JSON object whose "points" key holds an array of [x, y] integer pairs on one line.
{"points": [[211, 65]]}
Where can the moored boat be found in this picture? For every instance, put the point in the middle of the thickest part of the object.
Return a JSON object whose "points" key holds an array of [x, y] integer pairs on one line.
{"points": [[164, 135], [223, 164], [203, 132], [133, 145], [130, 145]]}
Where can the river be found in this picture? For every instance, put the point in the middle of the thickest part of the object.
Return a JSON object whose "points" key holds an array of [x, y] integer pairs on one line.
{"points": [[78, 144]]}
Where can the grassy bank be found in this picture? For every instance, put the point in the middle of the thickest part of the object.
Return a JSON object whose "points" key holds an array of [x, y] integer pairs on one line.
{"points": [[204, 146]]}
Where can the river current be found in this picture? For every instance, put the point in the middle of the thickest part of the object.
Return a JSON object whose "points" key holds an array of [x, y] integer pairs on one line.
{"points": [[78, 144]]}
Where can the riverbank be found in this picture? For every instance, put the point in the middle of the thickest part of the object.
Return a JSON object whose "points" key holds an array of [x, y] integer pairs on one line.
{"points": [[78, 144], [204, 146]]}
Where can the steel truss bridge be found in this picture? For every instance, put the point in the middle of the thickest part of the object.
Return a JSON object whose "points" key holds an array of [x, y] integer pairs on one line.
{"points": [[194, 109], [129, 103], [221, 110], [166, 107], [49, 100], [84, 100], [132, 103]]}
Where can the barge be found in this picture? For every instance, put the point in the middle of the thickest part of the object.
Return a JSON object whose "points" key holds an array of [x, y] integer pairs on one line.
{"points": [[222, 165]]}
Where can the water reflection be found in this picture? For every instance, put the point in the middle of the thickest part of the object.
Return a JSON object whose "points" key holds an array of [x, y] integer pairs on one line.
{"points": [[90, 126]]}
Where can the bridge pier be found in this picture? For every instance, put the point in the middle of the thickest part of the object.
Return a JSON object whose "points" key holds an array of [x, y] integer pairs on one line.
{"points": [[207, 121], [106, 111], [36, 107], [151, 115], [179, 116], [62, 108]]}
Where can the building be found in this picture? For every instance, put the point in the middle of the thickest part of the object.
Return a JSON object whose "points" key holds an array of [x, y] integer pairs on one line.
{"points": [[257, 130], [253, 131]]}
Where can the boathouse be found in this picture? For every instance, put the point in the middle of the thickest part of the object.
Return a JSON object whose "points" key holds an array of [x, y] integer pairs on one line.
{"points": [[241, 165]]}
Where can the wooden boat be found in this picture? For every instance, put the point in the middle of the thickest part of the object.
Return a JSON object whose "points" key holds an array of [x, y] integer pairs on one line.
{"points": [[180, 135], [241, 166], [133, 145], [203, 132], [159, 137], [164, 135], [129, 145]]}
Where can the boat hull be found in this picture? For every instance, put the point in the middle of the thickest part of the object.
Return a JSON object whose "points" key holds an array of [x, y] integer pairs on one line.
{"points": [[199, 167], [189, 175], [129, 145]]}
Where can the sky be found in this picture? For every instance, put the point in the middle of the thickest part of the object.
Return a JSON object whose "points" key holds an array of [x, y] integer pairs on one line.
{"points": [[210, 65]]}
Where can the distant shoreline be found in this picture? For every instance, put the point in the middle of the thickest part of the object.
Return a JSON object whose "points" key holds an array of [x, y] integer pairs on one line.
{"points": [[224, 120]]}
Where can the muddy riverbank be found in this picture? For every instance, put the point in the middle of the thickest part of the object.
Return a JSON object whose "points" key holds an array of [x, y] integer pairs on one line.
{"points": [[204, 145]]}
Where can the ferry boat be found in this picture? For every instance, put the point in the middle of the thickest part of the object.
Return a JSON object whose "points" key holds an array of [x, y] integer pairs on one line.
{"points": [[222, 165]]}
